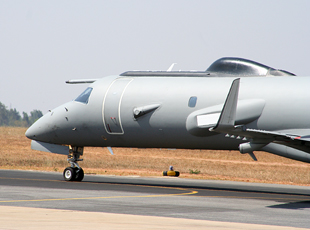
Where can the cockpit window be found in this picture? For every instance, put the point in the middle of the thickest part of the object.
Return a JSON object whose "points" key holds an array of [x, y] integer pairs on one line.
{"points": [[84, 96]]}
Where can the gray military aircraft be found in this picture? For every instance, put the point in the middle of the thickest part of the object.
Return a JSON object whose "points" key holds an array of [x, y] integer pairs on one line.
{"points": [[234, 104]]}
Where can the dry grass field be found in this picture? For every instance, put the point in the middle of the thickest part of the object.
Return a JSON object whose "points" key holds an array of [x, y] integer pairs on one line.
{"points": [[15, 153]]}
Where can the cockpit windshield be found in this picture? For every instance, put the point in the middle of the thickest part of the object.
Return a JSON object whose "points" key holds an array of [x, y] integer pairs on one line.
{"points": [[84, 96]]}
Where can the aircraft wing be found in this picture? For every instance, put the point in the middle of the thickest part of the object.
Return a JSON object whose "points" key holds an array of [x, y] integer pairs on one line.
{"points": [[262, 136], [297, 139]]}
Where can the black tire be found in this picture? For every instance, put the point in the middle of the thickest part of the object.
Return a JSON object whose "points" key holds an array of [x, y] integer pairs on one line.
{"points": [[69, 174], [79, 174]]}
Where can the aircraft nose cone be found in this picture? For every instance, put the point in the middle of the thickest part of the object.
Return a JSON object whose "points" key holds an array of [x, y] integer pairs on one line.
{"points": [[36, 130], [55, 126], [40, 130], [31, 133]]}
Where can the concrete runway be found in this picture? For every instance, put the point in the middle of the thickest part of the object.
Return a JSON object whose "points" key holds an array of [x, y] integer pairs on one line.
{"points": [[188, 204]]}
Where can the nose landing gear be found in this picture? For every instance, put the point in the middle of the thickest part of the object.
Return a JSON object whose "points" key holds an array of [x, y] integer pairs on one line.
{"points": [[74, 172]]}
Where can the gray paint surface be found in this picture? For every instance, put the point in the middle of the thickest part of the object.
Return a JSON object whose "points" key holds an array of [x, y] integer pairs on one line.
{"points": [[266, 109]]}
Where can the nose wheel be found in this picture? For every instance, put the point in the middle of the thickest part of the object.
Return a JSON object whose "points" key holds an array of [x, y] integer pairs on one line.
{"points": [[74, 172]]}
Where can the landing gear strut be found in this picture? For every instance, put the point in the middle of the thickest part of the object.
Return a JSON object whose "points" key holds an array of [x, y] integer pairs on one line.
{"points": [[74, 172]]}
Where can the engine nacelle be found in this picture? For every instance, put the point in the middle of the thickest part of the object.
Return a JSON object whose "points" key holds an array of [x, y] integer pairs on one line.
{"points": [[249, 147]]}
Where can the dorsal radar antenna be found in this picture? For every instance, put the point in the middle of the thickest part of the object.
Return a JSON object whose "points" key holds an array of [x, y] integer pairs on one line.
{"points": [[171, 67]]}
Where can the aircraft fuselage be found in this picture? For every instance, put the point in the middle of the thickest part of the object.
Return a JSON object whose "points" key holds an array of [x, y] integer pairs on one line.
{"points": [[108, 117]]}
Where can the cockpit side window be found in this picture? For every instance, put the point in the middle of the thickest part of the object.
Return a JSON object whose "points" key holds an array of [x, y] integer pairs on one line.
{"points": [[83, 98], [192, 102]]}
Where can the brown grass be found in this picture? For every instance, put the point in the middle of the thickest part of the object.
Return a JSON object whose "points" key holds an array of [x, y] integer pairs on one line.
{"points": [[15, 153]]}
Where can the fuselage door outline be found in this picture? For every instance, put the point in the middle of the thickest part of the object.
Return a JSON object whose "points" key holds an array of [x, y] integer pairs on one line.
{"points": [[111, 113]]}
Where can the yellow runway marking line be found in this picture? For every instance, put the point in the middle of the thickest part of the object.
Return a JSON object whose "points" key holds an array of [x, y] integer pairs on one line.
{"points": [[107, 197]]}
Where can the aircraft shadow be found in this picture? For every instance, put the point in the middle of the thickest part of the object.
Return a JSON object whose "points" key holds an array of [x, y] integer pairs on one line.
{"points": [[293, 205]]}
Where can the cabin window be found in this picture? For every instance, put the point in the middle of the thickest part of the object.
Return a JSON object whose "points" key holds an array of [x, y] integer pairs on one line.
{"points": [[84, 96], [192, 102]]}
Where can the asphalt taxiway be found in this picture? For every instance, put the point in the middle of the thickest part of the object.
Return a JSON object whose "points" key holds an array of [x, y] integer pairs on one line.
{"points": [[184, 201]]}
